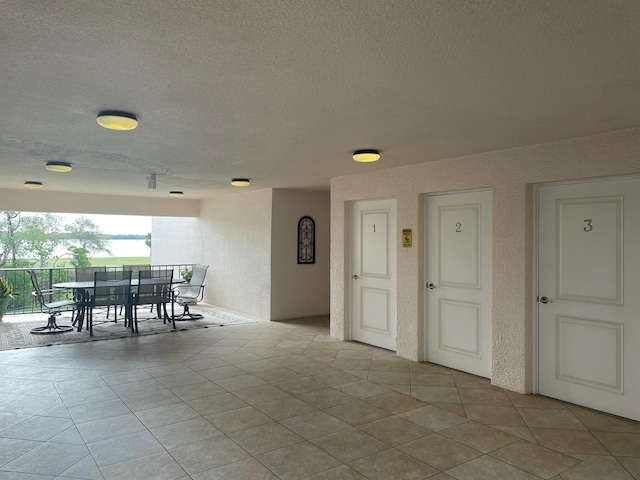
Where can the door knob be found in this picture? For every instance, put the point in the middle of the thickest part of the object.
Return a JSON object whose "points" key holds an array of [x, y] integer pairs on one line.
{"points": [[544, 300], [431, 286], [355, 277]]}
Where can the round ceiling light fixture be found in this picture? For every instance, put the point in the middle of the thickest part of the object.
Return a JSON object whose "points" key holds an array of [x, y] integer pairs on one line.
{"points": [[115, 120], [176, 194], [60, 167], [30, 184], [240, 182], [366, 156]]}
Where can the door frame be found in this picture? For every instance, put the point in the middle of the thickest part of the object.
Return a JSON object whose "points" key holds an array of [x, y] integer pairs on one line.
{"points": [[535, 334], [424, 247], [348, 263]]}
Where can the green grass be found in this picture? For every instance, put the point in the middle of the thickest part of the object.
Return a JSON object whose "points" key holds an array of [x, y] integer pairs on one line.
{"points": [[109, 261], [117, 261]]}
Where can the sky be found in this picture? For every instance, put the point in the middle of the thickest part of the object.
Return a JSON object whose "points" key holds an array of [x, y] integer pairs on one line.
{"points": [[117, 224]]}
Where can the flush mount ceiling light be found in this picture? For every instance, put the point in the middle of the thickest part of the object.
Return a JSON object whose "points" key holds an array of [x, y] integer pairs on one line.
{"points": [[366, 156], [176, 194], [114, 120], [240, 182], [60, 167], [30, 184]]}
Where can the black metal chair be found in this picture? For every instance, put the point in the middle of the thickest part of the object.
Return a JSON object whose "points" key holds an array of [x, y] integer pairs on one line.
{"points": [[110, 288], [45, 299], [192, 293], [134, 268], [85, 274], [154, 288]]}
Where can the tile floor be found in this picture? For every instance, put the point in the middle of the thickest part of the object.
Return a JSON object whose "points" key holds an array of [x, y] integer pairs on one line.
{"points": [[282, 400]]}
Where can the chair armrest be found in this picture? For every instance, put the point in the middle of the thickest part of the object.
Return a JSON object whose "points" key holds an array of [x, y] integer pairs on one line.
{"points": [[60, 292]]}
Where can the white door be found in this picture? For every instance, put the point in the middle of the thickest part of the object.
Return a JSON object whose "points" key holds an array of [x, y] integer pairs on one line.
{"points": [[373, 273], [458, 300], [589, 294]]}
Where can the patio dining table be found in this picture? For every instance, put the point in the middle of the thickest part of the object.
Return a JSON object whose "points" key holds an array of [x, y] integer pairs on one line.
{"points": [[82, 290]]}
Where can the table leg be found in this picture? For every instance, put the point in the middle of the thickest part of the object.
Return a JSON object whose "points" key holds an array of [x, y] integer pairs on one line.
{"points": [[82, 308]]}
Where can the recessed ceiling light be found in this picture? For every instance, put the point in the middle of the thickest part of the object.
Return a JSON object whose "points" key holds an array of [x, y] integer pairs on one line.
{"points": [[61, 167], [176, 194], [366, 156], [30, 184], [240, 182], [114, 120]]}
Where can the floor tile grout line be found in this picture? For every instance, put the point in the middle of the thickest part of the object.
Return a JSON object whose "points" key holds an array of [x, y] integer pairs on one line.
{"points": [[341, 369]]}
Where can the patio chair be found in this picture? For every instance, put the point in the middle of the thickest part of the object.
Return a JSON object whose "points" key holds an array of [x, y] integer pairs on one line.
{"points": [[53, 308], [192, 294], [134, 268], [85, 274], [154, 288], [110, 288]]}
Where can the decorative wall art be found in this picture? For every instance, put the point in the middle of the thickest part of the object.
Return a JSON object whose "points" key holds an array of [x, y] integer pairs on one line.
{"points": [[306, 240]]}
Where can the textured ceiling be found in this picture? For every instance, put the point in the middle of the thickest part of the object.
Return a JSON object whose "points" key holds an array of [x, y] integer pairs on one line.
{"points": [[281, 91]]}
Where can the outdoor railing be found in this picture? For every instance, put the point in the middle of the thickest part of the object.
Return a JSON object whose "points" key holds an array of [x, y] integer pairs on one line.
{"points": [[48, 276]]}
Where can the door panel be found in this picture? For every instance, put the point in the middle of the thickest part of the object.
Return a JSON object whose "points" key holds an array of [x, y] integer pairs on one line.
{"points": [[459, 255], [375, 310], [375, 244], [577, 339], [589, 276], [582, 275], [459, 327], [458, 301], [373, 269]]}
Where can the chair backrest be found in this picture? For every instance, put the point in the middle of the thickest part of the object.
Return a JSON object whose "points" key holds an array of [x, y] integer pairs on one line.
{"points": [[165, 268], [85, 274], [37, 292], [134, 269], [197, 281], [111, 288], [154, 286]]}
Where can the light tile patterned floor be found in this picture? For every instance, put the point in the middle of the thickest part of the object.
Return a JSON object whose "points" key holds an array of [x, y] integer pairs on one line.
{"points": [[282, 400]]}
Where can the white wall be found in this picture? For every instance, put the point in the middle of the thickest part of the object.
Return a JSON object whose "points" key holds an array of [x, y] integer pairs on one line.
{"points": [[176, 240], [236, 233], [299, 290], [511, 175], [249, 240]]}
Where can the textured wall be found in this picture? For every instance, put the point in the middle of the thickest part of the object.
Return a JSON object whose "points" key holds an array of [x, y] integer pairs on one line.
{"points": [[250, 241], [236, 233], [299, 290], [510, 174], [176, 240]]}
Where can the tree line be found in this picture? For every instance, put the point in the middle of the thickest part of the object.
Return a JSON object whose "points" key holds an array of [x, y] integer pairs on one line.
{"points": [[28, 240]]}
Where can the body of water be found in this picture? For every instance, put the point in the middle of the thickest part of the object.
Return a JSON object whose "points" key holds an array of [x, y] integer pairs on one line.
{"points": [[126, 248], [119, 248]]}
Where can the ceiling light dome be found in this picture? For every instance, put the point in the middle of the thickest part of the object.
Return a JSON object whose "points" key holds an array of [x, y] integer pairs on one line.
{"points": [[115, 120], [240, 182], [176, 194], [30, 184], [366, 156], [60, 167]]}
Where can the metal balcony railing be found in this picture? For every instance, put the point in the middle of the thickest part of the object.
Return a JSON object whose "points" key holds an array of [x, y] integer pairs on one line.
{"points": [[48, 276]]}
